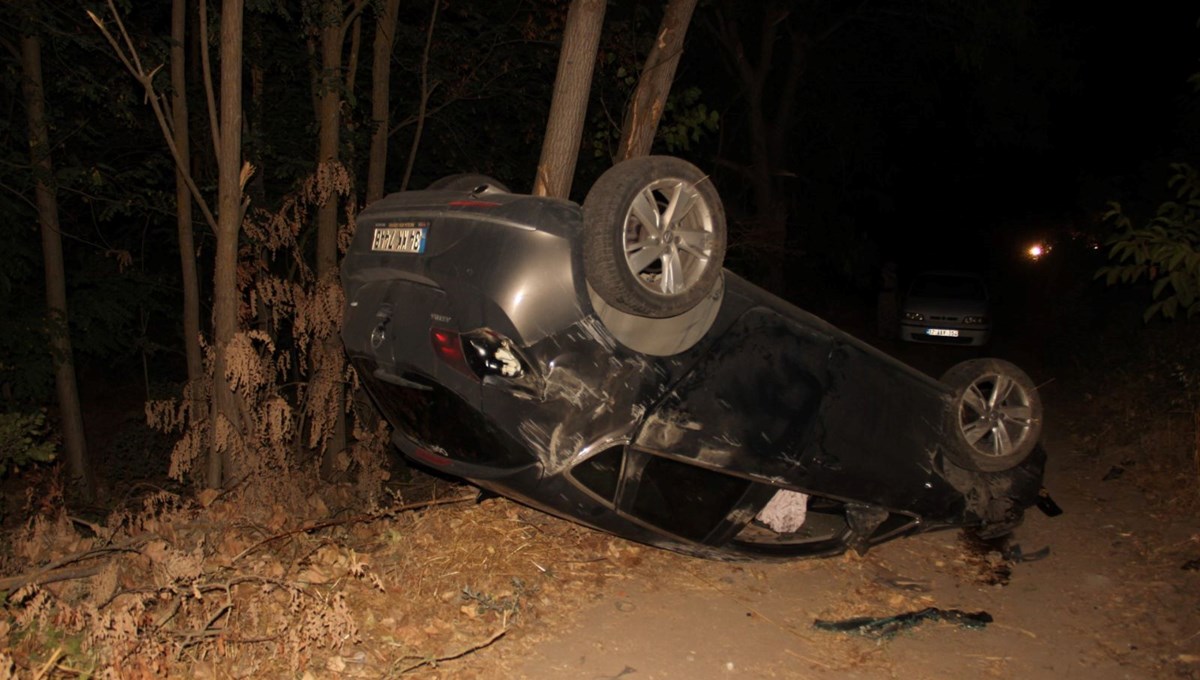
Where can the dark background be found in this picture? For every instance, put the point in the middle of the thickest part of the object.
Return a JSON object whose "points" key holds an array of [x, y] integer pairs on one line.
{"points": [[929, 134]]}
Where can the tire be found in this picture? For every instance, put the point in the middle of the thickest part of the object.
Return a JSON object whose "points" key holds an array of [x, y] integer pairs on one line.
{"points": [[468, 181], [995, 419], [641, 253]]}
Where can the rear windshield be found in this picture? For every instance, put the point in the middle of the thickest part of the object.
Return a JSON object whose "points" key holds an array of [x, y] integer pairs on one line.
{"points": [[948, 286]]}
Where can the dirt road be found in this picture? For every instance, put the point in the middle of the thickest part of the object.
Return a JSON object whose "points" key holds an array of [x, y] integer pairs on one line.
{"points": [[1112, 600]]}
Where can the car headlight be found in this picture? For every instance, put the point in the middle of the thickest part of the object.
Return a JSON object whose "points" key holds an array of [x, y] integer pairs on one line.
{"points": [[975, 320], [914, 316]]}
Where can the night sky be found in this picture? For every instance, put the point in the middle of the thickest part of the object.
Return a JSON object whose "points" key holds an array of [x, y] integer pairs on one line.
{"points": [[1091, 110], [931, 133]]}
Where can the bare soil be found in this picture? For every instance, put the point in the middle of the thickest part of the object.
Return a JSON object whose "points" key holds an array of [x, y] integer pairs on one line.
{"points": [[1110, 601]]}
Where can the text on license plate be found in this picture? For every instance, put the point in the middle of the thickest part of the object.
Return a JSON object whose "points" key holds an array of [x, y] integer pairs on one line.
{"points": [[400, 237], [942, 332]]}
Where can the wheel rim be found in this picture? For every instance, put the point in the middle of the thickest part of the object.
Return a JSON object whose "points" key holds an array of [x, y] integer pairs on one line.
{"points": [[669, 236], [995, 415]]}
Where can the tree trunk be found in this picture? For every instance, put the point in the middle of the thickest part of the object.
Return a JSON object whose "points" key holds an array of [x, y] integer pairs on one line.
{"points": [[183, 202], [256, 130], [226, 422], [381, 71], [328, 129], [74, 443], [769, 134], [654, 84], [568, 108], [329, 122], [351, 78]]}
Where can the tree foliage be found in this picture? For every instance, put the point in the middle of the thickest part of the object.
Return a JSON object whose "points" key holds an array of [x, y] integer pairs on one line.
{"points": [[24, 440], [1165, 251]]}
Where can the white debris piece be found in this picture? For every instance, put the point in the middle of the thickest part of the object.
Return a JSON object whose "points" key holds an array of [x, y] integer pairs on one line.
{"points": [[785, 512], [509, 364]]}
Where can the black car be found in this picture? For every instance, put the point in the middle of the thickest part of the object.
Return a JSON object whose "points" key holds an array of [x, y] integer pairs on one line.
{"points": [[598, 363]]}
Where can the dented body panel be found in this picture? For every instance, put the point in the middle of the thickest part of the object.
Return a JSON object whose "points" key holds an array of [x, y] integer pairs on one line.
{"points": [[488, 357]]}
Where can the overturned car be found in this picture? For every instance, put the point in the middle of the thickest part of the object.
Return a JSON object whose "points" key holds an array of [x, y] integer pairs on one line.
{"points": [[598, 363]]}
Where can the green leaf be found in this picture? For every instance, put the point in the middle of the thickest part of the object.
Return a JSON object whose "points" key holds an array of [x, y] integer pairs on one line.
{"points": [[1158, 287]]}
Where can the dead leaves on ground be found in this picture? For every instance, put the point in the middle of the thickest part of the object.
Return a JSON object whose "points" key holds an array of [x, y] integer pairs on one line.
{"points": [[214, 587]]}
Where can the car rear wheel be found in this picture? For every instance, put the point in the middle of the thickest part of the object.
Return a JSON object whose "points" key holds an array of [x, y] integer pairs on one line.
{"points": [[654, 236], [995, 420], [468, 181]]}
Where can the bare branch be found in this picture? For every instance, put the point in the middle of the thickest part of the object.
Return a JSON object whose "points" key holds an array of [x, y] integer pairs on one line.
{"points": [[54, 570], [359, 6], [425, 93], [214, 123], [125, 35], [361, 518], [8, 45], [133, 65]]}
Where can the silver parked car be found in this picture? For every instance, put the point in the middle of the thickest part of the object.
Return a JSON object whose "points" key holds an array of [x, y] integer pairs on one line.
{"points": [[947, 308]]}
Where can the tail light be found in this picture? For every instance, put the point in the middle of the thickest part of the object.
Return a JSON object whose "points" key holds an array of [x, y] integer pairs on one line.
{"points": [[447, 345], [485, 356]]}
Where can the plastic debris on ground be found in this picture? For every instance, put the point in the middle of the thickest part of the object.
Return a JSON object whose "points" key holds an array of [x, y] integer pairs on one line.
{"points": [[880, 627]]}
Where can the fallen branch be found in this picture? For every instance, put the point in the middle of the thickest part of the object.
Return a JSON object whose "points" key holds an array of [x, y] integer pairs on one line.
{"points": [[459, 654], [350, 520], [54, 571], [224, 586], [15, 583]]}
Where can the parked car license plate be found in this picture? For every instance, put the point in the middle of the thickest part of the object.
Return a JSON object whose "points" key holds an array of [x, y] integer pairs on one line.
{"points": [[942, 332], [408, 237]]}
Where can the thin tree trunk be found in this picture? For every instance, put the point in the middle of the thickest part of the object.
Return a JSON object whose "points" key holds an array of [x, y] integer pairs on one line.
{"points": [[381, 72], [654, 84], [568, 108], [74, 443], [769, 135], [183, 202], [328, 130], [423, 108], [229, 202], [355, 47], [256, 129], [210, 97], [333, 34]]}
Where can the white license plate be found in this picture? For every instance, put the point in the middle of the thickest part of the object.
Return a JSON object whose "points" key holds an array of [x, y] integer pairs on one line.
{"points": [[406, 237], [942, 332]]}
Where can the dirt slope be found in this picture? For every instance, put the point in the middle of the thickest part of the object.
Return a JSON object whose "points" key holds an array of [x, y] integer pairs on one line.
{"points": [[1110, 601]]}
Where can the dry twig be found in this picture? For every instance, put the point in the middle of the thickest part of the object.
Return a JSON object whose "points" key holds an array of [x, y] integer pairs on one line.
{"points": [[350, 520], [54, 571], [459, 654]]}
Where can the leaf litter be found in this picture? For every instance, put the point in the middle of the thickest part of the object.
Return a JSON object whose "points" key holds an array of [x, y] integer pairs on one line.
{"points": [[227, 586]]}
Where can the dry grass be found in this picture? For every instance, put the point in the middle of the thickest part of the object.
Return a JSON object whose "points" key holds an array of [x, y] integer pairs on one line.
{"points": [[230, 587]]}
